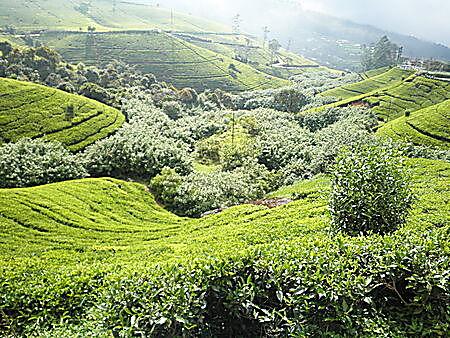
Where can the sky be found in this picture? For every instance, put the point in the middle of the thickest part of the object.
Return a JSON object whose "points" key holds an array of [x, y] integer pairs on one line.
{"points": [[426, 19]]}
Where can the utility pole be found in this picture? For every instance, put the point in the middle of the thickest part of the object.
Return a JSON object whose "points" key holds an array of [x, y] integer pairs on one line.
{"points": [[266, 32], [114, 6], [172, 19], [232, 129]]}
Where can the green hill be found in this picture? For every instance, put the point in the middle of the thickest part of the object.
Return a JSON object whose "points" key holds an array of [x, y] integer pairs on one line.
{"points": [[88, 219], [171, 59], [26, 15], [414, 93], [63, 244], [284, 64], [375, 80], [429, 126], [35, 111], [180, 49]]}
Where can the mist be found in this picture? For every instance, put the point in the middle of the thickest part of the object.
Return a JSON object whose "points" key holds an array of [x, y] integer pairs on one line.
{"points": [[428, 20]]}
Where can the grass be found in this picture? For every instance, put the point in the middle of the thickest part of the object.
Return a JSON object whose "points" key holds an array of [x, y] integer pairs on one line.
{"points": [[429, 126], [171, 59], [35, 111], [376, 79]]}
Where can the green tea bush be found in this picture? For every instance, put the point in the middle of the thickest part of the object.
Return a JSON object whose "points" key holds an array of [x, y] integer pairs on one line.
{"points": [[387, 287], [35, 162], [371, 191]]}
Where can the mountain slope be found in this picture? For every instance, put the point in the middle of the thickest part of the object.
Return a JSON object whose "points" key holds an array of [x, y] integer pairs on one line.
{"points": [[429, 126], [29, 15], [35, 111], [378, 81], [337, 43], [414, 93], [169, 58]]}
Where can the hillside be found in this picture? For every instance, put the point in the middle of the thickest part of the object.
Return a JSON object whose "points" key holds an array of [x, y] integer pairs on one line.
{"points": [[26, 15], [429, 126], [113, 220], [336, 42], [169, 58], [181, 49], [62, 243], [284, 65], [373, 81], [35, 111], [413, 93]]}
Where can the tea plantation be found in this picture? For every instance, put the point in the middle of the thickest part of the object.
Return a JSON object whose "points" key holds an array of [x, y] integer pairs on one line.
{"points": [[429, 126], [164, 55], [35, 111], [374, 81], [96, 251], [104, 15], [414, 93]]}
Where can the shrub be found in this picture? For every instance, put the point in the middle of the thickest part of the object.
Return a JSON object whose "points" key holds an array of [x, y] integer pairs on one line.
{"points": [[95, 92], [383, 287], [34, 162], [200, 192], [188, 96], [136, 152], [290, 100], [172, 109], [371, 191]]}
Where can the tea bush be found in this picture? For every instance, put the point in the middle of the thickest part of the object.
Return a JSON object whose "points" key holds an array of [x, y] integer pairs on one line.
{"points": [[370, 191]]}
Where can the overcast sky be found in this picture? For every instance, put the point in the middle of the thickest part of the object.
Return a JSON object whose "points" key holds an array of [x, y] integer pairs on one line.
{"points": [[427, 19]]}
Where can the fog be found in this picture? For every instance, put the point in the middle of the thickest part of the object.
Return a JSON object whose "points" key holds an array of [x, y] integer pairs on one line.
{"points": [[426, 19]]}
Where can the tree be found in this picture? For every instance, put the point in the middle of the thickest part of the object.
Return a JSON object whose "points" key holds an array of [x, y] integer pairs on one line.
{"points": [[5, 48], [370, 191], [384, 53]]}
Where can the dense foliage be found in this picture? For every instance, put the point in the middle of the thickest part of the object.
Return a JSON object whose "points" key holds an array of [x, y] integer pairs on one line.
{"points": [[371, 191], [199, 192], [383, 53], [34, 162]]}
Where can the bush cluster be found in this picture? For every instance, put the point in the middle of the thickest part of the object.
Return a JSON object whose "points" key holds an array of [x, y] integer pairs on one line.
{"points": [[35, 162], [196, 193]]}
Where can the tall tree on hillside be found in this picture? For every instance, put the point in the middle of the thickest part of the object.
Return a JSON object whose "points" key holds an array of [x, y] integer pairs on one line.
{"points": [[383, 53]]}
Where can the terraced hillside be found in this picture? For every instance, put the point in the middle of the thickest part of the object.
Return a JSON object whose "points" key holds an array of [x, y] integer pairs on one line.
{"points": [[62, 245], [284, 64], [375, 80], [29, 15], [35, 111], [414, 93], [171, 59], [429, 126], [111, 220]]}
